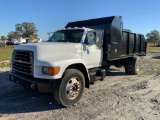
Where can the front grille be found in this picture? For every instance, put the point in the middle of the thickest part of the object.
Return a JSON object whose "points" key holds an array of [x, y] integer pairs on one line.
{"points": [[22, 62]]}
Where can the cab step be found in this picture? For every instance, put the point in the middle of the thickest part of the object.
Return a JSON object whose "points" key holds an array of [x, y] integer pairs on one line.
{"points": [[97, 74]]}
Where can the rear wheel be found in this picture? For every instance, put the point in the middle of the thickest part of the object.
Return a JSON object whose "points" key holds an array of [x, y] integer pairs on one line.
{"points": [[135, 65], [127, 66], [69, 89]]}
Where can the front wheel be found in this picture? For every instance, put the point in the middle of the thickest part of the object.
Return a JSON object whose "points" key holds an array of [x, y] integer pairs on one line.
{"points": [[69, 89]]}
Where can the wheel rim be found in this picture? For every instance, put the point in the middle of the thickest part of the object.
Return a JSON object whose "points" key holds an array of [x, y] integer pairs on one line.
{"points": [[73, 88]]}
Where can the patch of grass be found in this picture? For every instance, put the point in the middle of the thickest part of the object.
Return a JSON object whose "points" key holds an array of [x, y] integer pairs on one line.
{"points": [[153, 49], [5, 52], [156, 64], [150, 67]]}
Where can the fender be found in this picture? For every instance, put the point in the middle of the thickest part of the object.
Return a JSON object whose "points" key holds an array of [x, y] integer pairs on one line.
{"points": [[62, 61]]}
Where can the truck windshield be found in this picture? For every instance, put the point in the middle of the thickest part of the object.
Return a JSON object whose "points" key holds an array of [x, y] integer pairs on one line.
{"points": [[74, 36]]}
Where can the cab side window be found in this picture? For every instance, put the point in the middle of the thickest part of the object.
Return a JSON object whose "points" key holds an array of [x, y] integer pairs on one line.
{"points": [[90, 38]]}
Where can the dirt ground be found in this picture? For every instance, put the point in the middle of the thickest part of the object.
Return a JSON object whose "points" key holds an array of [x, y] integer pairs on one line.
{"points": [[118, 97]]}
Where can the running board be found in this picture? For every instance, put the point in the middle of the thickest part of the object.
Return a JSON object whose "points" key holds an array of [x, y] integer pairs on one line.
{"points": [[97, 74]]}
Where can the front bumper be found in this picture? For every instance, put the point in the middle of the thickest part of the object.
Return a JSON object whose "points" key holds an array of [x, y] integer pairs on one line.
{"points": [[42, 85]]}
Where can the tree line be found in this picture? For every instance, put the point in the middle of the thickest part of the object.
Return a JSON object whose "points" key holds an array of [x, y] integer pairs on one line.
{"points": [[27, 29], [153, 36], [24, 30]]}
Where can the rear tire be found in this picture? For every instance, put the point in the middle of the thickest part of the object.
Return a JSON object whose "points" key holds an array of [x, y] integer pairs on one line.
{"points": [[69, 89], [135, 65], [127, 66]]}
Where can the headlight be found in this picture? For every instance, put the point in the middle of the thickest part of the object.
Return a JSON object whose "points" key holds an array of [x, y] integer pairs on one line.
{"points": [[50, 70]]}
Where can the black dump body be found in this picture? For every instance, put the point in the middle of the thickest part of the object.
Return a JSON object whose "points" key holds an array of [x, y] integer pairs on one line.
{"points": [[117, 44]]}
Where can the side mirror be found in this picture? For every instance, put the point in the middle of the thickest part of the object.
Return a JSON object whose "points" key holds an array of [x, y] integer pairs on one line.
{"points": [[99, 38]]}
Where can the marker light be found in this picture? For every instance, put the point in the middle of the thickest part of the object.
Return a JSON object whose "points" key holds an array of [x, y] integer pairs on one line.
{"points": [[50, 70]]}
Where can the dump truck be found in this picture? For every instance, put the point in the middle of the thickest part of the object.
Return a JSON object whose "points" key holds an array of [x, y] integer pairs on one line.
{"points": [[76, 56]]}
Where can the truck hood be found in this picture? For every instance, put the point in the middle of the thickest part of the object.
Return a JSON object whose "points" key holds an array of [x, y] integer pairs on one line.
{"points": [[49, 50]]}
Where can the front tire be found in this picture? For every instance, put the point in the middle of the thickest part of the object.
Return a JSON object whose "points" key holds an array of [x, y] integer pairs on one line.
{"points": [[69, 89]]}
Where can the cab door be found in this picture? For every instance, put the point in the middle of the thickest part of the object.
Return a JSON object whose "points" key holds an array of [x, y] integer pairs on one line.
{"points": [[91, 50]]}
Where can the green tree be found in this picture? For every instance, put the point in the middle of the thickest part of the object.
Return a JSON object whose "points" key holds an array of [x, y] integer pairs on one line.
{"points": [[13, 34], [26, 29], [153, 36], [3, 38]]}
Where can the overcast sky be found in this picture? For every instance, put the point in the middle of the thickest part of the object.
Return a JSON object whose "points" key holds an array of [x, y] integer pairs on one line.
{"points": [[140, 16]]}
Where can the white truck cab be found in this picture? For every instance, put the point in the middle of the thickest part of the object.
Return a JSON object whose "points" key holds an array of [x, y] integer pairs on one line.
{"points": [[66, 48]]}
